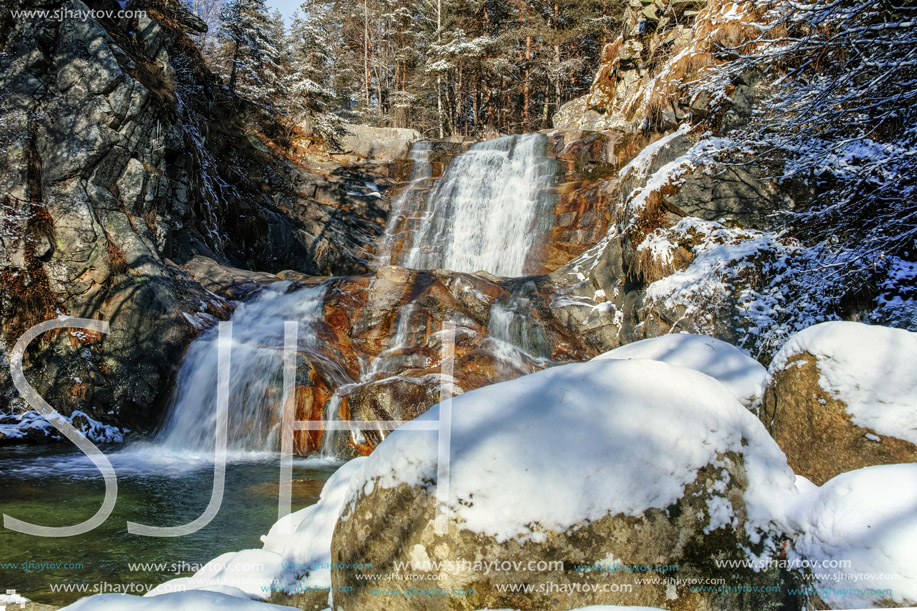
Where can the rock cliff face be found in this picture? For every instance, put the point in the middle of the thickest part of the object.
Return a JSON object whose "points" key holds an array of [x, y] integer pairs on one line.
{"points": [[122, 159]]}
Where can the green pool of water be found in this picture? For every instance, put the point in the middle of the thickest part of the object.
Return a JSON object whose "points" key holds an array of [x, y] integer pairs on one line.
{"points": [[56, 486]]}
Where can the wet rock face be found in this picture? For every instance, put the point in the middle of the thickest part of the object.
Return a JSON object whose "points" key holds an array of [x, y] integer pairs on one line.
{"points": [[815, 430], [583, 205], [121, 157], [384, 338]]}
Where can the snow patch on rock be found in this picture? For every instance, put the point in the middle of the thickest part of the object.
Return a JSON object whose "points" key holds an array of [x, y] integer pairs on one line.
{"points": [[607, 437], [740, 373], [869, 368]]}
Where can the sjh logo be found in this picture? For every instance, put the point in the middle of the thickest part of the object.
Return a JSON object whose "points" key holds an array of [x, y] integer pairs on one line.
{"points": [[13, 598]]}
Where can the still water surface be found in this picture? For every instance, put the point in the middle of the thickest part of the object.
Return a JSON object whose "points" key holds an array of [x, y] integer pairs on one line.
{"points": [[56, 486]]}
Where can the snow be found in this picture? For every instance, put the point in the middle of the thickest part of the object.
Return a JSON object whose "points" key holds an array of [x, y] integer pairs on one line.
{"points": [[701, 153], [11, 598], [870, 368], [194, 600], [897, 302], [32, 421], [252, 571], [309, 545], [771, 280], [297, 551], [866, 517], [742, 375], [565, 432], [640, 165]]}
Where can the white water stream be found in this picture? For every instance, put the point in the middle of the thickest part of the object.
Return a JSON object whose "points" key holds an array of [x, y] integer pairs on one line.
{"points": [[484, 211]]}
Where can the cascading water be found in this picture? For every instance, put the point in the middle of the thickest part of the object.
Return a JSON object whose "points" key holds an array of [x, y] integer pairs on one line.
{"points": [[409, 202], [481, 216], [514, 337], [483, 213], [399, 341], [255, 406]]}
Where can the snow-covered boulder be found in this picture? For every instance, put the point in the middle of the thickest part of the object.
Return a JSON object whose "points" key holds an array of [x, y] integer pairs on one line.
{"points": [[843, 396], [858, 535], [742, 375], [602, 465]]}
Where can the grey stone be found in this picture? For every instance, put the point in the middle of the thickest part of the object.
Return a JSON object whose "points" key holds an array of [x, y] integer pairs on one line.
{"points": [[378, 143]]}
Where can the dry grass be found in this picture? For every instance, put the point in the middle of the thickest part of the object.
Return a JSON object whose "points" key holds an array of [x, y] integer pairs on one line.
{"points": [[119, 264], [653, 215], [28, 292]]}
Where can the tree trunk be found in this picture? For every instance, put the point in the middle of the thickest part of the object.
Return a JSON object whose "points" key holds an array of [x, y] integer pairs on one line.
{"points": [[527, 86], [233, 71], [366, 75], [557, 94], [439, 78], [458, 98]]}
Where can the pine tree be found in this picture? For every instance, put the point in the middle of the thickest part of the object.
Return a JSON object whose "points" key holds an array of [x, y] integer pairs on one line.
{"points": [[250, 34], [310, 81]]}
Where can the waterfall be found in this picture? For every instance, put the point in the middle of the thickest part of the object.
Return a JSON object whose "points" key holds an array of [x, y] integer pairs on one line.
{"points": [[514, 336], [482, 215], [255, 406], [409, 202], [383, 362], [484, 212]]}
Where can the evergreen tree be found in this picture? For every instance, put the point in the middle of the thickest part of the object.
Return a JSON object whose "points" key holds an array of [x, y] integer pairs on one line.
{"points": [[251, 34], [468, 67], [310, 80]]}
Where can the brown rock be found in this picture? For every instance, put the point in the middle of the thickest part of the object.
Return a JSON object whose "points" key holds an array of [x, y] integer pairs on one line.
{"points": [[815, 431]]}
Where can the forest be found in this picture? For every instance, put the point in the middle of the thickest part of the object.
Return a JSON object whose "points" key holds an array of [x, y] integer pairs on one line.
{"points": [[444, 67]]}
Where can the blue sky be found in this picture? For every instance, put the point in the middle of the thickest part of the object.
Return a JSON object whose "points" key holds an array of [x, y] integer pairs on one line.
{"points": [[286, 7]]}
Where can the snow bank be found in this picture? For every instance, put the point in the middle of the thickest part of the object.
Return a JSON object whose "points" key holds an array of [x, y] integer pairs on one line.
{"points": [[867, 517], [297, 551], [869, 368], [303, 539], [252, 571], [606, 437], [194, 600], [740, 373]]}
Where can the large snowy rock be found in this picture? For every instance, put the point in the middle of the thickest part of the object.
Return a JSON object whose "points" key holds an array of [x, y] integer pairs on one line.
{"points": [[843, 396], [607, 464], [858, 533], [742, 375]]}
